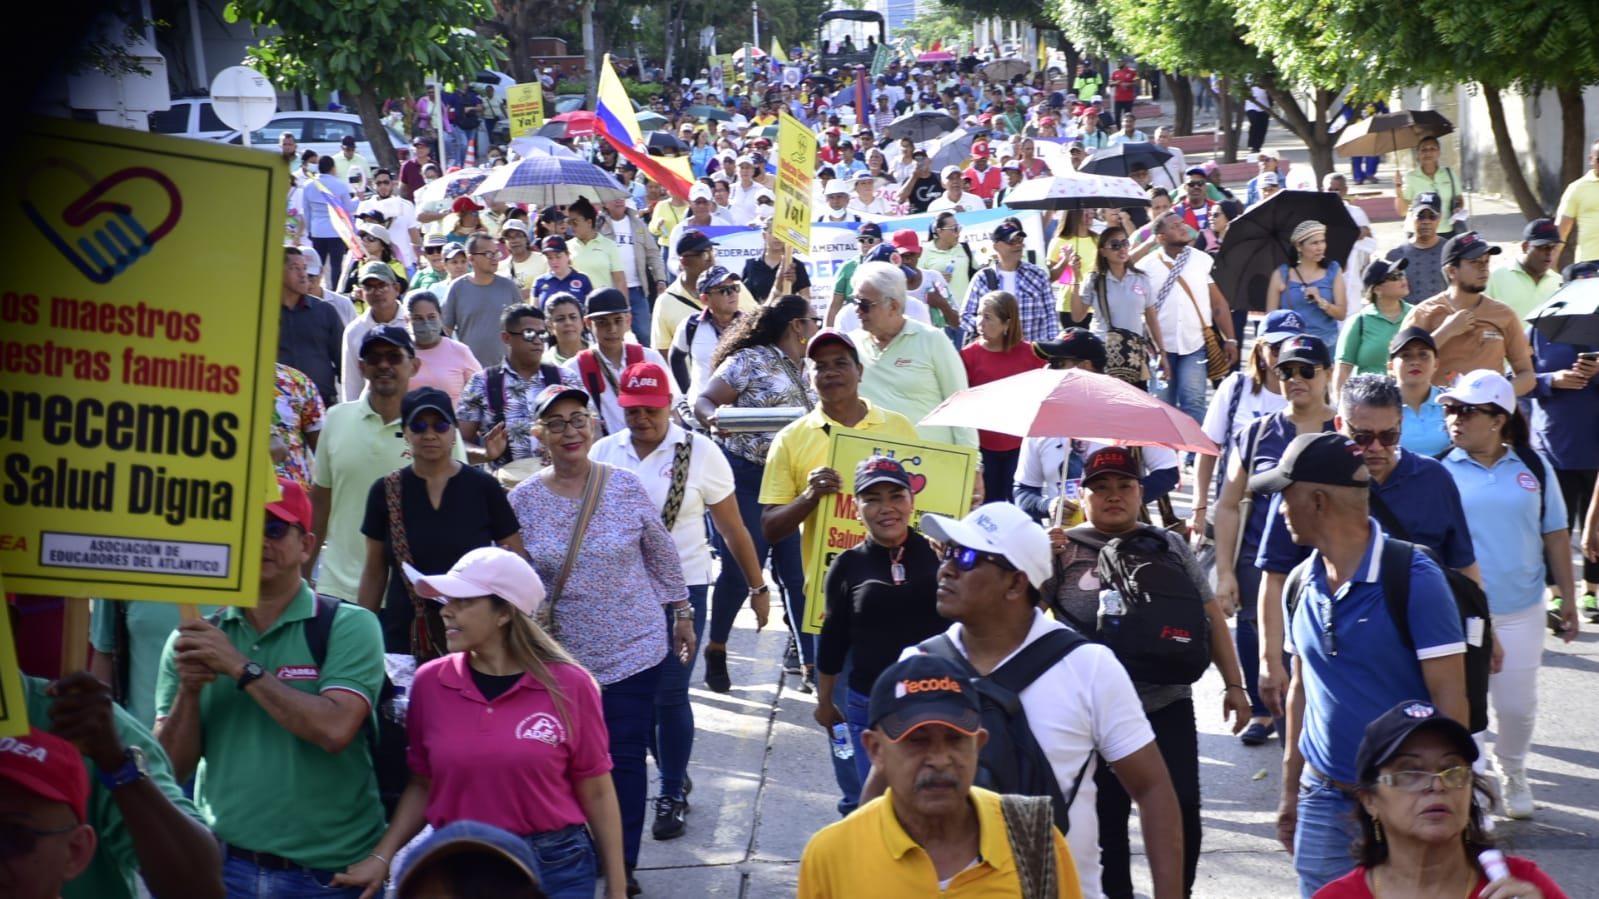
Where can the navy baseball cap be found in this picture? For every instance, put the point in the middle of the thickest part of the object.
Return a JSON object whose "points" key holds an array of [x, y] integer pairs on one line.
{"points": [[607, 301], [1280, 325], [1379, 269], [1412, 334], [692, 241], [869, 229], [394, 335], [1324, 458], [875, 470], [423, 399], [1429, 199], [1467, 246], [1388, 732], [885, 252], [1305, 348], [919, 690], [1541, 233]]}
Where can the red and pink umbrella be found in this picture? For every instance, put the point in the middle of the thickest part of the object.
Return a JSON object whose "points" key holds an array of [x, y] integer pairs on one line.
{"points": [[579, 122], [1072, 403]]}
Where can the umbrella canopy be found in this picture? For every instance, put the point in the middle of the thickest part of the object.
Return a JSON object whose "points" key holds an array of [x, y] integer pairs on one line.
{"points": [[936, 56], [1077, 191], [952, 149], [663, 143], [754, 51], [1120, 158], [649, 121], [709, 112], [1072, 403], [1571, 314], [1390, 131], [1004, 69], [919, 126], [1249, 254], [447, 187], [578, 122], [768, 131], [534, 145], [550, 181]]}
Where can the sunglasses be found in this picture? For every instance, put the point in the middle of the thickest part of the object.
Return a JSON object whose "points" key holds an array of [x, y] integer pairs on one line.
{"points": [[277, 529], [418, 426], [1461, 410], [432, 251], [531, 335], [966, 558], [1395, 276], [864, 304], [1364, 439], [1456, 778], [18, 840], [1117, 244], [394, 358], [1427, 215], [870, 241], [576, 421], [725, 290], [1196, 184], [1304, 371]]}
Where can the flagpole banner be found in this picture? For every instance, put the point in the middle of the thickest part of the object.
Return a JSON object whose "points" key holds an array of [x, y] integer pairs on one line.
{"points": [[140, 364], [524, 105], [796, 168], [941, 481]]}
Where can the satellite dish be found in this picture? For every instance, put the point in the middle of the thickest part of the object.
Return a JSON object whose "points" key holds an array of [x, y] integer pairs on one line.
{"points": [[244, 99]]}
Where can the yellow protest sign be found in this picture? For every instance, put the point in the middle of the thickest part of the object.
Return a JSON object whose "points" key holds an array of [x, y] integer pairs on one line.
{"points": [[13, 702], [524, 106], [941, 478], [139, 349], [796, 165]]}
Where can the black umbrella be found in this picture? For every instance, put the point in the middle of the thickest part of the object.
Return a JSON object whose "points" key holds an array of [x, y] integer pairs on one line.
{"points": [[1571, 314], [664, 143], [1389, 131], [1119, 159], [920, 126], [1257, 242]]}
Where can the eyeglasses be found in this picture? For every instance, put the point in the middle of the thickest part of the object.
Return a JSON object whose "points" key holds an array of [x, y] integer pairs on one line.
{"points": [[1462, 410], [1304, 371], [1395, 276], [17, 840], [418, 426], [816, 320], [394, 358], [966, 559], [1117, 244], [531, 335], [1366, 438], [1456, 778], [277, 529], [577, 421], [949, 228], [490, 253]]}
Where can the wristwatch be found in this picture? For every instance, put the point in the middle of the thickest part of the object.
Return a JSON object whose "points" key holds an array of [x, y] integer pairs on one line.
{"points": [[684, 612], [252, 671], [757, 591], [133, 769]]}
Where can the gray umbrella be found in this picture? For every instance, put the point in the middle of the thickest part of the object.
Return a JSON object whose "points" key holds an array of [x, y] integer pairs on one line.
{"points": [[920, 126], [951, 149], [1004, 69]]}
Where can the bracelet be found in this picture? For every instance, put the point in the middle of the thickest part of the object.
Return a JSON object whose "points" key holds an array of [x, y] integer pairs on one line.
{"points": [[378, 857], [1234, 687], [757, 591]]}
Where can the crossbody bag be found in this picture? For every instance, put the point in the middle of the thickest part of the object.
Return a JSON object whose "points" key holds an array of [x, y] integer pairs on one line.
{"points": [[593, 488]]}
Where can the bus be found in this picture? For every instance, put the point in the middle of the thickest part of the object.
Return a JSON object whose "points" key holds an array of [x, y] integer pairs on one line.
{"points": [[849, 37]]}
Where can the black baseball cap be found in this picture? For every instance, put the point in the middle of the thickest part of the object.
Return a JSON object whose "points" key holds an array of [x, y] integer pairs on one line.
{"points": [[1411, 335], [1111, 460], [875, 470], [607, 301], [831, 335], [1385, 735], [869, 229], [1578, 271], [394, 335], [923, 689], [424, 398], [1073, 343], [1429, 199], [1323, 458], [692, 241], [1305, 348], [1467, 246], [1541, 233], [1380, 268]]}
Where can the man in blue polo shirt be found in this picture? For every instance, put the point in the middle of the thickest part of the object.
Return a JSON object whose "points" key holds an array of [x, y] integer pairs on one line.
{"points": [[1350, 664]]}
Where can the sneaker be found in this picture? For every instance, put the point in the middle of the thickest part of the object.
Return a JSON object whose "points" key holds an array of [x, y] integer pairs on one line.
{"points": [[1590, 608], [688, 786], [1518, 795], [716, 677], [670, 818], [1490, 796], [791, 658], [808, 680], [633, 889], [1557, 625], [1257, 734]]}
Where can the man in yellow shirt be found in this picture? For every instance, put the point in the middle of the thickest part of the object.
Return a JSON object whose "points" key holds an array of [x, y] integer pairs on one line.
{"points": [[1579, 206], [931, 833]]}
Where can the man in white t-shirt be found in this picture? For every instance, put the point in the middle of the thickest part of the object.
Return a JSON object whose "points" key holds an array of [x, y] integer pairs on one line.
{"points": [[399, 216], [996, 560]]}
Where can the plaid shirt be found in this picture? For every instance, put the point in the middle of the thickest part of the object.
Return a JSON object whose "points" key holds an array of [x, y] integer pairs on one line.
{"points": [[1033, 296]]}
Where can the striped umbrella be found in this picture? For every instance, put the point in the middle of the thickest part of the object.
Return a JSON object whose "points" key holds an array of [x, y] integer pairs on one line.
{"points": [[460, 183], [550, 181]]}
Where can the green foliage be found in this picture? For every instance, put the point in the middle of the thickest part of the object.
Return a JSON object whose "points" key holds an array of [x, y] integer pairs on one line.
{"points": [[1087, 24], [1519, 42], [939, 22]]}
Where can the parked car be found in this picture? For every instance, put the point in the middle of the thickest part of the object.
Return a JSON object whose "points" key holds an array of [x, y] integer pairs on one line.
{"points": [[190, 117], [322, 132]]}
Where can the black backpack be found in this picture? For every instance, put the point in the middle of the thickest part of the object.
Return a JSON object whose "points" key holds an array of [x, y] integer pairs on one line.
{"points": [[1470, 601], [494, 395], [1164, 636], [1012, 761]]}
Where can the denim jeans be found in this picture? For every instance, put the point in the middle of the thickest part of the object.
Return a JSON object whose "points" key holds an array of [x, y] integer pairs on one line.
{"points": [[640, 303], [244, 880], [1321, 840], [456, 140], [629, 706], [846, 772], [732, 590], [332, 250], [1177, 738], [999, 474], [672, 740], [1186, 387], [1246, 632], [567, 863], [856, 711]]}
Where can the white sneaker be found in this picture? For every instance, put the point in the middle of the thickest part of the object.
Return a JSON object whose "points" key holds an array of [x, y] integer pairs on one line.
{"points": [[1518, 795]]}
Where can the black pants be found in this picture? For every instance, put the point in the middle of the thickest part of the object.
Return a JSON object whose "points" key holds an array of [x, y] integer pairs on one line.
{"points": [[999, 473], [1178, 740], [1576, 485], [1258, 120], [332, 250], [1122, 107]]}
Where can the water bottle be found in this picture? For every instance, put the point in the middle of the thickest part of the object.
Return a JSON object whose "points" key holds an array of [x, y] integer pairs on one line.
{"points": [[1111, 609], [842, 747]]}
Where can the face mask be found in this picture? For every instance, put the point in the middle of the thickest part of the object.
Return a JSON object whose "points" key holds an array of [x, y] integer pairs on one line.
{"points": [[427, 331]]}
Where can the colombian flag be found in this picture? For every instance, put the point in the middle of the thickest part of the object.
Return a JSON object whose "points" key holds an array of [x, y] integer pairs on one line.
{"points": [[613, 113]]}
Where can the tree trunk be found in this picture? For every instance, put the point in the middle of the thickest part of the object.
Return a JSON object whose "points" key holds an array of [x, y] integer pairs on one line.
{"points": [[1229, 118], [1573, 141], [1515, 178], [371, 112], [1182, 98], [1311, 128], [591, 58]]}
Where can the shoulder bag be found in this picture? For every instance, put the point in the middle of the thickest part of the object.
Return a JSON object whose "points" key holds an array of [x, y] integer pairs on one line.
{"points": [[1126, 356], [427, 628], [674, 493], [593, 488], [1216, 364]]}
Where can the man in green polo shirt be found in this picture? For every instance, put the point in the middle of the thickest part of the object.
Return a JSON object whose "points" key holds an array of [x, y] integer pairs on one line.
{"points": [[1525, 283], [282, 775]]}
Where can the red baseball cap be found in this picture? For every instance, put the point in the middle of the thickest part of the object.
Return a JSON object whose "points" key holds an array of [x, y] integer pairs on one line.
{"points": [[907, 241], [48, 767], [980, 150], [644, 384], [294, 507], [465, 204]]}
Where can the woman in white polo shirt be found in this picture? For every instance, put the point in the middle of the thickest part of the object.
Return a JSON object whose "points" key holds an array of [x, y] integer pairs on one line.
{"points": [[672, 462]]}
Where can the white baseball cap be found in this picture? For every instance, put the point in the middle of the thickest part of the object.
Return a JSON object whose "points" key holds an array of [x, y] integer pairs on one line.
{"points": [[313, 260], [1001, 529], [836, 186], [485, 571], [1483, 387], [701, 191]]}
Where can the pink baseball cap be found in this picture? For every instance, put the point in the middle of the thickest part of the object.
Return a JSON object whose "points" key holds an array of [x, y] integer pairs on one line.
{"points": [[485, 571], [644, 384]]}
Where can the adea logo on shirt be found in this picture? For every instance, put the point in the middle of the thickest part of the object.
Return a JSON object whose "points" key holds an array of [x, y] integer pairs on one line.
{"points": [[904, 363], [541, 726], [298, 672], [1527, 481]]}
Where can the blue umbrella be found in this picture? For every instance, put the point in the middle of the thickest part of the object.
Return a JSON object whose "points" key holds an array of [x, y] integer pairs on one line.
{"points": [[550, 181]]}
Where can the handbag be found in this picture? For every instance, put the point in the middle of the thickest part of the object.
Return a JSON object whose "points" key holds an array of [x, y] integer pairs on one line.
{"points": [[599, 474], [1126, 353], [427, 628], [1216, 364]]}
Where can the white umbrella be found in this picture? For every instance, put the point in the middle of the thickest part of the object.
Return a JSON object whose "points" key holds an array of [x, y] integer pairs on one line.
{"points": [[1077, 191], [534, 145]]}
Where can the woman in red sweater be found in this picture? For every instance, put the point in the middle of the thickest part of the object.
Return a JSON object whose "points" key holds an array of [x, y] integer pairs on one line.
{"points": [[998, 352]]}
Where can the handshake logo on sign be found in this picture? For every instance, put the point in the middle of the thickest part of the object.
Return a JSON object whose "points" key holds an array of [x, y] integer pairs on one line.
{"points": [[104, 225]]}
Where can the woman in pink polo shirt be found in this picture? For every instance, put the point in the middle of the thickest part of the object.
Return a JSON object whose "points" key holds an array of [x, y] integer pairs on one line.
{"points": [[507, 730]]}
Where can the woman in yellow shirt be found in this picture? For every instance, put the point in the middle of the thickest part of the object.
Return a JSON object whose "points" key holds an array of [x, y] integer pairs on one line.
{"points": [[593, 253], [1076, 235]]}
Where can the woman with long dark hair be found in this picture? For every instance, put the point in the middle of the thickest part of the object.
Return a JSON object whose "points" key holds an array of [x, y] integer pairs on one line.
{"points": [[1313, 286], [1122, 301]]}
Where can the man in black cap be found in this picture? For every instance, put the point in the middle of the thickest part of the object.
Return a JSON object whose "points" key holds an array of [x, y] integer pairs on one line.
{"points": [[1473, 330], [1350, 663], [941, 832], [347, 161], [1011, 271], [599, 368], [867, 238], [681, 299], [1532, 278], [1424, 250]]}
